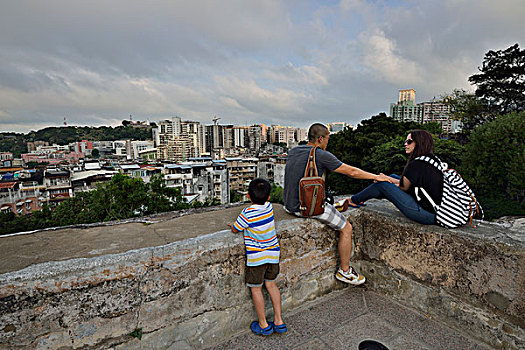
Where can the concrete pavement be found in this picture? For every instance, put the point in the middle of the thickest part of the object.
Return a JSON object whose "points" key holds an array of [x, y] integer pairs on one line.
{"points": [[344, 319]]}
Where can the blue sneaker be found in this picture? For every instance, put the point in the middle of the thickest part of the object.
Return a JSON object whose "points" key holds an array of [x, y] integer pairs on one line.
{"points": [[256, 328]]}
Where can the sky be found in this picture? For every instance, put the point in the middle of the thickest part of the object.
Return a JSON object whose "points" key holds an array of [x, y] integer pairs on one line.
{"points": [[247, 62]]}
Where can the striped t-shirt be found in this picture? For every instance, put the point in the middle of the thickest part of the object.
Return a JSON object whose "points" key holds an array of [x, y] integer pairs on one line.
{"points": [[260, 238]]}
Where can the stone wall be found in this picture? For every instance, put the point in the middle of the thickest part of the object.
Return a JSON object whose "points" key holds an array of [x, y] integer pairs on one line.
{"points": [[185, 294], [471, 278], [191, 294]]}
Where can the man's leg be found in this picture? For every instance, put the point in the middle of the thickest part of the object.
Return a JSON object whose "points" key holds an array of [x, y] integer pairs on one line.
{"points": [[345, 246]]}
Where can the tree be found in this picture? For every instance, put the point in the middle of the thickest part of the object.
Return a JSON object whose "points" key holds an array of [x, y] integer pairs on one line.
{"points": [[276, 194], [494, 164], [95, 153], [501, 83], [468, 108], [356, 147]]}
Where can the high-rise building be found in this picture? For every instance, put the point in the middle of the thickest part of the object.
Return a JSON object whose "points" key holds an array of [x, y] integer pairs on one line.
{"points": [[436, 110], [406, 110], [282, 134], [177, 140], [300, 134], [439, 111]]}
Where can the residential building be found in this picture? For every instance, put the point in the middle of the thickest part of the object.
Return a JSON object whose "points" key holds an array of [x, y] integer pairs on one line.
{"points": [[178, 140], [241, 172], [300, 134], [32, 146], [84, 146], [88, 180], [6, 159], [406, 110], [439, 111], [202, 177], [139, 146], [271, 168], [148, 155], [57, 185]]}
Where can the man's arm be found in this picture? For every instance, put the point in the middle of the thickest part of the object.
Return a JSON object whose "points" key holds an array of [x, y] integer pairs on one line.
{"points": [[357, 173]]}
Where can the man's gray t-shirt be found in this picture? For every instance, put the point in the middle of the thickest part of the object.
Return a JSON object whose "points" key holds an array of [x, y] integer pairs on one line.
{"points": [[294, 171]]}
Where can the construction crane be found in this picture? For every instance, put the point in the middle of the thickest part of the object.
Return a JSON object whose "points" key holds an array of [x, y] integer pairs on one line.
{"points": [[215, 120]]}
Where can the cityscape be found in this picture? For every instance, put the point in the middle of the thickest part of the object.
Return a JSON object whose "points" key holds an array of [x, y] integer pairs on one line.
{"points": [[205, 162]]}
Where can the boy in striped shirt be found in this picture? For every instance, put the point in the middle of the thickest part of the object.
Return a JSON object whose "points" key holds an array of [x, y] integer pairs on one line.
{"points": [[262, 255]]}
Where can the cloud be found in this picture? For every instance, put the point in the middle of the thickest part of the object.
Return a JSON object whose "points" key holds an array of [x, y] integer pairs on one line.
{"points": [[287, 62]]}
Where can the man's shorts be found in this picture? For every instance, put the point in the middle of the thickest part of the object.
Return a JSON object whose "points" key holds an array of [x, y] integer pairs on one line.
{"points": [[331, 217], [255, 276]]}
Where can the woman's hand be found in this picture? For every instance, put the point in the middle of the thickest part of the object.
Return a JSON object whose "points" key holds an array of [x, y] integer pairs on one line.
{"points": [[383, 178]]}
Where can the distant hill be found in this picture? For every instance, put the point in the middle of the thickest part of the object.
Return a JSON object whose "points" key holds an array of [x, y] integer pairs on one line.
{"points": [[16, 142]]}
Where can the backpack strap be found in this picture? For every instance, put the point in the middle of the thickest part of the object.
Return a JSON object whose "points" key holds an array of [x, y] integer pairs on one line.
{"points": [[438, 164], [311, 167], [430, 200]]}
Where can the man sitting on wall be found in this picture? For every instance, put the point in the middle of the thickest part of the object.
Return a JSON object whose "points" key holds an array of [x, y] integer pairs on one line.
{"points": [[318, 135]]}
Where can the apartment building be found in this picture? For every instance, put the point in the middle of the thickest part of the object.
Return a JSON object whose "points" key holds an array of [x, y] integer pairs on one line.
{"points": [[435, 110], [271, 168], [439, 111], [406, 110], [202, 177], [241, 172]]}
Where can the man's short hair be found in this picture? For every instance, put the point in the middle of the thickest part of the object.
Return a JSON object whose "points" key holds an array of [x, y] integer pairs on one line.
{"points": [[259, 190], [316, 131]]}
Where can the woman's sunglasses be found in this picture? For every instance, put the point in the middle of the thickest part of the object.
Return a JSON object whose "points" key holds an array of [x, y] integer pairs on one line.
{"points": [[409, 141]]}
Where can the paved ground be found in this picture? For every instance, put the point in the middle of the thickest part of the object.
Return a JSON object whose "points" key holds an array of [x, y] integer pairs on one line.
{"points": [[21, 251], [343, 319]]}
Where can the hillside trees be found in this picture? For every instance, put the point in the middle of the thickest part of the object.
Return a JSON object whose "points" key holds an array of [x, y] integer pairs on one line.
{"points": [[375, 145], [494, 164], [17, 143]]}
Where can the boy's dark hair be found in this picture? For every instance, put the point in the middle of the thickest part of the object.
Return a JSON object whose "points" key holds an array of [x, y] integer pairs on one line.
{"points": [[259, 191]]}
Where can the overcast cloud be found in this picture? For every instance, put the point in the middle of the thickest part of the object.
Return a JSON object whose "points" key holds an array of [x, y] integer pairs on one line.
{"points": [[274, 62]]}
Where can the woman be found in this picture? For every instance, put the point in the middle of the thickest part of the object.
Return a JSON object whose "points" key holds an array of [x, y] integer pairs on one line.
{"points": [[417, 173]]}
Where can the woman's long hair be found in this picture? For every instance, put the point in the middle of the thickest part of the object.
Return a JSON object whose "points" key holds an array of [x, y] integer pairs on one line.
{"points": [[424, 146]]}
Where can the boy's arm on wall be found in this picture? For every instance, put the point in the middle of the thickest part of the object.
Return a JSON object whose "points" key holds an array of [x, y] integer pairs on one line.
{"points": [[232, 227]]}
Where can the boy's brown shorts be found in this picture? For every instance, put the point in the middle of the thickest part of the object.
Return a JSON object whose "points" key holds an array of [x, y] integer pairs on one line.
{"points": [[255, 276]]}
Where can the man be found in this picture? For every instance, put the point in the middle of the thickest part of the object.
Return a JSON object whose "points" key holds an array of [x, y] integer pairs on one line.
{"points": [[318, 135]]}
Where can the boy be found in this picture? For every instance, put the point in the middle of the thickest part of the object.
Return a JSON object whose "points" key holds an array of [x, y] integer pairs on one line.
{"points": [[262, 255]]}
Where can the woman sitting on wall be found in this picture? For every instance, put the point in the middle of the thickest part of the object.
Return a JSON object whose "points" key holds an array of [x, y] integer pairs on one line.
{"points": [[417, 173]]}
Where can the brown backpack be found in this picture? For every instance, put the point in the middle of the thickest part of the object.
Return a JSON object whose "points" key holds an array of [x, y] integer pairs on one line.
{"points": [[311, 189]]}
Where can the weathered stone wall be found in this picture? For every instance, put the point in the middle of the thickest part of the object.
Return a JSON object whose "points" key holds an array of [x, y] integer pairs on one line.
{"points": [[186, 294], [191, 293], [472, 278]]}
